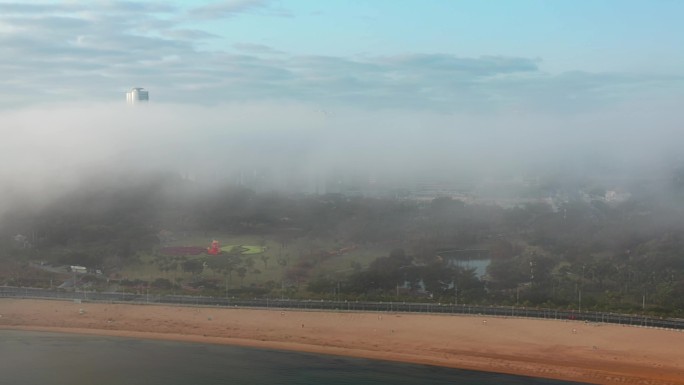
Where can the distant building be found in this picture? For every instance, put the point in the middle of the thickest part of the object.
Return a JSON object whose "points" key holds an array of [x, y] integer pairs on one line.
{"points": [[137, 95], [79, 269]]}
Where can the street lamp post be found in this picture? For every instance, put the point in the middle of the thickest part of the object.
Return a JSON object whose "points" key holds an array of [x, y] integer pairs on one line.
{"points": [[580, 300]]}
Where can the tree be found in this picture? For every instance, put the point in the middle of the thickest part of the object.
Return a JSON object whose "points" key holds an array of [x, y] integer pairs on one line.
{"points": [[265, 259], [193, 266], [467, 287], [242, 273], [229, 268], [162, 283]]}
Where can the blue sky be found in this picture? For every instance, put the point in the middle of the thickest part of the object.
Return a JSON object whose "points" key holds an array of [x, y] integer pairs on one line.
{"points": [[465, 56], [564, 35]]}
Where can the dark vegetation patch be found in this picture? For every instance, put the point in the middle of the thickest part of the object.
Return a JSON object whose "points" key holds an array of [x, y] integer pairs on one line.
{"points": [[182, 250]]}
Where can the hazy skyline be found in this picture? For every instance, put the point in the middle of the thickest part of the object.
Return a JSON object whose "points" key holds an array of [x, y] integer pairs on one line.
{"points": [[401, 87]]}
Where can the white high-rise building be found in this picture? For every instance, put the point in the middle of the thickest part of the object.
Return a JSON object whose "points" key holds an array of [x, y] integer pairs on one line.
{"points": [[137, 95]]}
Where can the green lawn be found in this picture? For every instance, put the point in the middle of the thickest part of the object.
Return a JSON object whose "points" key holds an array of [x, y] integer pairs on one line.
{"points": [[278, 257], [244, 249]]}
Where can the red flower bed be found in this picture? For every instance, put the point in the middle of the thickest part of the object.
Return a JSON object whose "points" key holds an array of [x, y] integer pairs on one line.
{"points": [[183, 250]]}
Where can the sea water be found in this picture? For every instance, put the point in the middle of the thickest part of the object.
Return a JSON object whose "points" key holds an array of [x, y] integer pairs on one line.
{"points": [[36, 358]]}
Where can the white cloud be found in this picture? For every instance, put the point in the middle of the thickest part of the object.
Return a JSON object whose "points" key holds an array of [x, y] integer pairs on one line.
{"points": [[225, 9]]}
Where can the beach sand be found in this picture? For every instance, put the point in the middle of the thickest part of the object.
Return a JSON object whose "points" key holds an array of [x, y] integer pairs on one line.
{"points": [[567, 350]]}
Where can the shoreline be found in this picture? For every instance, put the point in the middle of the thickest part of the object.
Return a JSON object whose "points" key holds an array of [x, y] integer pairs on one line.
{"points": [[562, 350]]}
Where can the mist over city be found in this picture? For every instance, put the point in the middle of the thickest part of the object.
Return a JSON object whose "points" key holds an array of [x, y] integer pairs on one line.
{"points": [[302, 148], [371, 103]]}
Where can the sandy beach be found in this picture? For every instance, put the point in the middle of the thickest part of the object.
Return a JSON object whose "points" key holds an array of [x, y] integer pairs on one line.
{"points": [[567, 350]]}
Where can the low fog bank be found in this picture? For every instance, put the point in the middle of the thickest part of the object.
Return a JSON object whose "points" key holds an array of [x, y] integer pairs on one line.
{"points": [[571, 212], [55, 150]]}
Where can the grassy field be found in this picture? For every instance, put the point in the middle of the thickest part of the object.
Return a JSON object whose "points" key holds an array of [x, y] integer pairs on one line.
{"points": [[244, 249], [270, 260]]}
